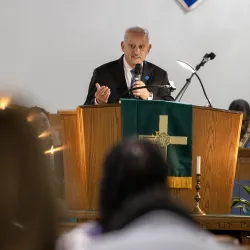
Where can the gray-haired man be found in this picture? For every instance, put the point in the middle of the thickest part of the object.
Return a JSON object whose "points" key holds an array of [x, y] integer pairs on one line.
{"points": [[112, 80]]}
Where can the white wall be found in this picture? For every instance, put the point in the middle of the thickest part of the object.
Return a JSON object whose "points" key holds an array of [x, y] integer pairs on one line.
{"points": [[49, 48]]}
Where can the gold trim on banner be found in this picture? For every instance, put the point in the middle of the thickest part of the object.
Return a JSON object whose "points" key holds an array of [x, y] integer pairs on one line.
{"points": [[179, 182]]}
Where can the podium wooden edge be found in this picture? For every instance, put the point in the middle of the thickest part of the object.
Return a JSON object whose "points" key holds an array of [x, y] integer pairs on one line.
{"points": [[213, 219], [244, 152], [66, 112], [118, 105], [101, 106], [243, 161], [216, 109]]}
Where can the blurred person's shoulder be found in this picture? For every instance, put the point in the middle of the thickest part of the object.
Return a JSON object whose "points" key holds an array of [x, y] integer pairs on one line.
{"points": [[158, 230], [78, 238]]}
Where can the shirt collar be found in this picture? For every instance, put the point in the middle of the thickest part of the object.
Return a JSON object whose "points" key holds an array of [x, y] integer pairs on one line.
{"points": [[126, 65]]}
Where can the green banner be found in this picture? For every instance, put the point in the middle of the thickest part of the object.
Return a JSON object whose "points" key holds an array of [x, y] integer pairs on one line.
{"points": [[170, 125]]}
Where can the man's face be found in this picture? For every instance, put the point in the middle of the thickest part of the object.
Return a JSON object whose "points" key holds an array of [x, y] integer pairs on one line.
{"points": [[135, 48]]}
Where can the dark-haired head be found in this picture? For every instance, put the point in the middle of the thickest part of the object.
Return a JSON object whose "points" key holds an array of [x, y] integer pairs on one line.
{"points": [[133, 170], [244, 107], [28, 218], [37, 110]]}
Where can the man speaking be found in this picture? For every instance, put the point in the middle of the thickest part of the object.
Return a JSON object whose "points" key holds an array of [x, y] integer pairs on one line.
{"points": [[112, 80]]}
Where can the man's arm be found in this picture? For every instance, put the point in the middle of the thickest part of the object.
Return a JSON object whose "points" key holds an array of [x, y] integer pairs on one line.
{"points": [[164, 93], [90, 100]]}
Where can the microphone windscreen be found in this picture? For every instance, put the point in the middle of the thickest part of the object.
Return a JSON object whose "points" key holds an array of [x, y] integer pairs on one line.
{"points": [[212, 56], [138, 69]]}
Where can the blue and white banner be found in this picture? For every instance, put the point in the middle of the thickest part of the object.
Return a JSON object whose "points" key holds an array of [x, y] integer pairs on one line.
{"points": [[190, 4]]}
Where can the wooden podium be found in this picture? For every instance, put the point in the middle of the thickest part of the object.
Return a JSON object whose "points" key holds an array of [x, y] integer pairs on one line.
{"points": [[242, 174], [243, 165], [90, 131]]}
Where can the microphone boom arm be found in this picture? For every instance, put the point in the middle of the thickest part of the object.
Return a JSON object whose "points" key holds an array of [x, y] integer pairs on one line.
{"points": [[204, 60], [184, 88]]}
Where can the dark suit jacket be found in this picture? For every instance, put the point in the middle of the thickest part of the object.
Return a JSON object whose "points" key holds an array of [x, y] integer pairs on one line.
{"points": [[112, 75]]}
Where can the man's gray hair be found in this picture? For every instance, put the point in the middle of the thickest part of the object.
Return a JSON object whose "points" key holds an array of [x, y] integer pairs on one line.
{"points": [[136, 29]]}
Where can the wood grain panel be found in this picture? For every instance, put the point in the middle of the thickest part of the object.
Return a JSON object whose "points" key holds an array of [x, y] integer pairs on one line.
{"points": [[101, 128], [215, 138], [243, 165], [243, 171], [224, 222], [73, 170]]}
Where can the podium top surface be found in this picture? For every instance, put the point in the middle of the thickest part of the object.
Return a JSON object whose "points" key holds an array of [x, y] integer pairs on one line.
{"points": [[118, 105], [244, 152]]}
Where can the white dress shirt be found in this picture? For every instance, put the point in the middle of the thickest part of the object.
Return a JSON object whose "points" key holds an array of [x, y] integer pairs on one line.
{"points": [[127, 72]]}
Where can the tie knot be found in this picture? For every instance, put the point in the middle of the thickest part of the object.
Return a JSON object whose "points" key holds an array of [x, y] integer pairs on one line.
{"points": [[132, 71]]}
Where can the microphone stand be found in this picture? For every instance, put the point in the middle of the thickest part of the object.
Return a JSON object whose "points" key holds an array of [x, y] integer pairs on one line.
{"points": [[184, 88], [188, 81]]}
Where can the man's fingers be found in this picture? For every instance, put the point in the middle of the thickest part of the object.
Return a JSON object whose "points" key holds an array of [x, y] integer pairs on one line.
{"points": [[139, 91], [101, 90], [138, 84], [106, 95], [105, 90], [97, 86], [103, 98], [136, 92]]}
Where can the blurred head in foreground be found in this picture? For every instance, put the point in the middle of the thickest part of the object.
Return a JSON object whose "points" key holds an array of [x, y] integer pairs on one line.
{"points": [[28, 218], [134, 183]]}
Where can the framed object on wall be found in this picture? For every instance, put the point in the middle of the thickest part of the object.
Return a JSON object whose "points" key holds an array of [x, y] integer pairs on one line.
{"points": [[190, 4]]}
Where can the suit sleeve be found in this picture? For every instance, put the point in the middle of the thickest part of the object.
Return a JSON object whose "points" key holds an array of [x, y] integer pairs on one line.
{"points": [[164, 93], [90, 100]]}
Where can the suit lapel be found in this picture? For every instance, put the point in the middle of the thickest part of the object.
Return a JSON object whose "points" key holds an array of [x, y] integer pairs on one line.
{"points": [[119, 84], [119, 75], [147, 73]]}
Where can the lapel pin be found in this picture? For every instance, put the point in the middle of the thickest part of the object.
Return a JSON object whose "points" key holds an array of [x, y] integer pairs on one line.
{"points": [[146, 78]]}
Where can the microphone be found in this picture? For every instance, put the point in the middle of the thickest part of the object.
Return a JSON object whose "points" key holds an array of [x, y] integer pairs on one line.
{"points": [[205, 59], [137, 75], [211, 56], [138, 72]]}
